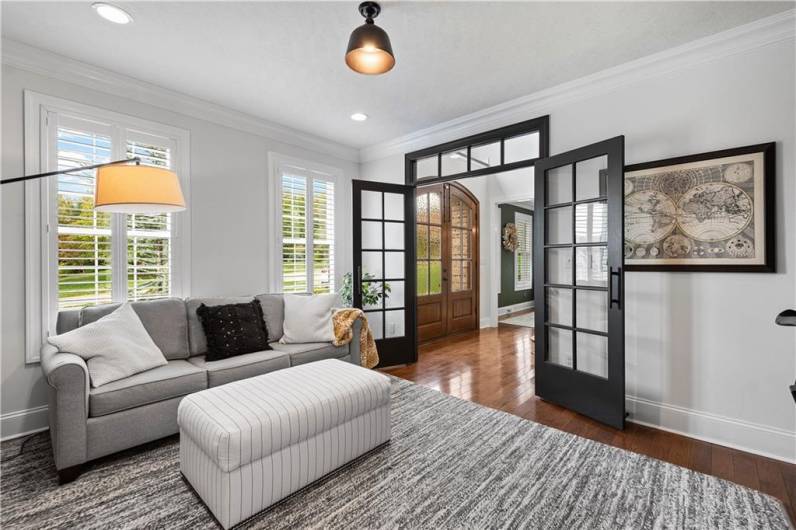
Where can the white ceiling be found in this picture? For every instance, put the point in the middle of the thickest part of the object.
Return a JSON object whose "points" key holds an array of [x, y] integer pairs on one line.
{"points": [[284, 61]]}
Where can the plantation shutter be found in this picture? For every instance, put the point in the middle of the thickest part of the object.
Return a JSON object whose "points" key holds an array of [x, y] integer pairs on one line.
{"points": [[523, 256], [84, 235], [294, 234], [149, 248], [322, 236], [307, 255]]}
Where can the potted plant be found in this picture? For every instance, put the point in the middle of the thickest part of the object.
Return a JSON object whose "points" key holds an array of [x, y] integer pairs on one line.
{"points": [[371, 292]]}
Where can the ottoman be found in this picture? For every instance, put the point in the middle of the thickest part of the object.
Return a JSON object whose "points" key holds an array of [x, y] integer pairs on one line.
{"points": [[247, 444]]}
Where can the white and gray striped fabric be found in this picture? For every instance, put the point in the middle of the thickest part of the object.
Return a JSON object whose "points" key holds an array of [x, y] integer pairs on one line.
{"points": [[247, 444]]}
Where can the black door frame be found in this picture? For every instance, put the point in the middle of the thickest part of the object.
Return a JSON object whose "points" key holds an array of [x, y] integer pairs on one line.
{"points": [[600, 398], [501, 134], [392, 350]]}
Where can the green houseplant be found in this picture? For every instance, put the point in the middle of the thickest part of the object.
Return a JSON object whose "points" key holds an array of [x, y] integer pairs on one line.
{"points": [[371, 293]]}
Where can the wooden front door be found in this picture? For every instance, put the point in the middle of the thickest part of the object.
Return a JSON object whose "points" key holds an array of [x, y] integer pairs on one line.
{"points": [[447, 260]]}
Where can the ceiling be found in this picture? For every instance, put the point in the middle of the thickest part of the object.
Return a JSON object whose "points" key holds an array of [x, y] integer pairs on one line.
{"points": [[283, 61]]}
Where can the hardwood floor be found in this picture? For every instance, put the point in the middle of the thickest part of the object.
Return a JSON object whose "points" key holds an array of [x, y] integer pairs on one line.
{"points": [[494, 367]]}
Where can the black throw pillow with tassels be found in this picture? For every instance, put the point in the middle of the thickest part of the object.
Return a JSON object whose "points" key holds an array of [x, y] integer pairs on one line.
{"points": [[233, 329]]}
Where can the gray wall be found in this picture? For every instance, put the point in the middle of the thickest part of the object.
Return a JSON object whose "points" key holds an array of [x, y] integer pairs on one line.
{"points": [[229, 207], [703, 356], [508, 296]]}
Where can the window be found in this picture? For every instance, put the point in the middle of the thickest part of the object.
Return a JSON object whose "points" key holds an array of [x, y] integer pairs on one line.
{"points": [[84, 236], [149, 254], [88, 241], [90, 257], [503, 149], [307, 220], [523, 256]]}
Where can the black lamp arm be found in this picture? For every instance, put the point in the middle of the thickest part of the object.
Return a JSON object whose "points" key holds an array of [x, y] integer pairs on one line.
{"points": [[136, 159]]}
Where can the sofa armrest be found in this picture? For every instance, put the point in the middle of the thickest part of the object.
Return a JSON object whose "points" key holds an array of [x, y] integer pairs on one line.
{"points": [[353, 346], [68, 379]]}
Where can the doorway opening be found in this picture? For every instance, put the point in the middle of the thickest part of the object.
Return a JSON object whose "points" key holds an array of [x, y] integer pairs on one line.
{"points": [[516, 296]]}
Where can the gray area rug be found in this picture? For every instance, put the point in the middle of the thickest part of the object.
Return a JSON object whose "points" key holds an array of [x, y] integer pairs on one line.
{"points": [[451, 463]]}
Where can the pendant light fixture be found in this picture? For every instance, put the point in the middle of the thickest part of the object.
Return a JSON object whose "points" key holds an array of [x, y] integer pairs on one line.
{"points": [[369, 49]]}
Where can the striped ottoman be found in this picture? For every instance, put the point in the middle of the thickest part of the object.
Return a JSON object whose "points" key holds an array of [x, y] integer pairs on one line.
{"points": [[246, 445]]}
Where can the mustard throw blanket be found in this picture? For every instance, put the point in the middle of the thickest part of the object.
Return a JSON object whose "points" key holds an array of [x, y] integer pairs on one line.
{"points": [[343, 321]]}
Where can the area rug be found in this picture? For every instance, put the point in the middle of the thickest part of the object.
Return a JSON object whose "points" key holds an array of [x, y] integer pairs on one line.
{"points": [[450, 464], [526, 320]]}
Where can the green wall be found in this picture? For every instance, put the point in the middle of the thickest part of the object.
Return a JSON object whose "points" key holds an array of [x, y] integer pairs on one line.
{"points": [[508, 296]]}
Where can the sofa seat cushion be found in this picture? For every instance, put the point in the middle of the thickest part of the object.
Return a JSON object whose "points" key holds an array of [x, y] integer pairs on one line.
{"points": [[175, 379], [311, 351], [239, 367]]}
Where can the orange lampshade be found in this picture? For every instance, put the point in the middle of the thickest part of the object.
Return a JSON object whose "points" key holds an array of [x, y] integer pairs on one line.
{"points": [[137, 189]]}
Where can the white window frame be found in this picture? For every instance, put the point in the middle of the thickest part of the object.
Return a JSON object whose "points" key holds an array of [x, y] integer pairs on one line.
{"points": [[518, 285], [278, 164], [41, 114]]}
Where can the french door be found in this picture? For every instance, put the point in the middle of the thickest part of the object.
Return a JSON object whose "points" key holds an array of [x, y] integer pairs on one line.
{"points": [[578, 239], [447, 260], [384, 261]]}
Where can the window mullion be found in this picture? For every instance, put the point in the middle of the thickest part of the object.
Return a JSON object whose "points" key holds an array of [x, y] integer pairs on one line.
{"points": [[118, 231], [310, 235]]}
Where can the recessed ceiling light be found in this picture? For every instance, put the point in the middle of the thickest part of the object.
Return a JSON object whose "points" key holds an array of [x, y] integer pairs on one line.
{"points": [[114, 14], [358, 116]]}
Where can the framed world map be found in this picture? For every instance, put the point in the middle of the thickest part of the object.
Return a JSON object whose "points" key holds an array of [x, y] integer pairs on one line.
{"points": [[707, 212]]}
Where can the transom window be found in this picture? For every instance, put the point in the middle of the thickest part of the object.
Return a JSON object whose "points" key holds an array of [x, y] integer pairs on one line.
{"points": [[498, 150]]}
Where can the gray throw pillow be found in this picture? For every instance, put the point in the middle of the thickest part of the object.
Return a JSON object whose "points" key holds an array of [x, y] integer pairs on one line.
{"points": [[114, 347]]}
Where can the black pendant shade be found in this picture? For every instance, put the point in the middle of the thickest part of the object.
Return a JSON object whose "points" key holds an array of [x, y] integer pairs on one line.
{"points": [[369, 49]]}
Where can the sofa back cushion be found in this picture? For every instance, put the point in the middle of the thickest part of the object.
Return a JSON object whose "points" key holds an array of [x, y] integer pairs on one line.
{"points": [[164, 319], [196, 334], [274, 313]]}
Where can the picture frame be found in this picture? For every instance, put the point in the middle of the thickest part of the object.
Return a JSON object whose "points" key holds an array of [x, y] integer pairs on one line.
{"points": [[708, 212]]}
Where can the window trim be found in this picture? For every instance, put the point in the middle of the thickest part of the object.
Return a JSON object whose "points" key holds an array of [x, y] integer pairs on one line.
{"points": [[529, 285], [277, 163], [40, 280]]}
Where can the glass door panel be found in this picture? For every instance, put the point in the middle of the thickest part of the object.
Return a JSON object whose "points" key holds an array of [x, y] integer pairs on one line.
{"points": [[578, 245], [382, 257]]}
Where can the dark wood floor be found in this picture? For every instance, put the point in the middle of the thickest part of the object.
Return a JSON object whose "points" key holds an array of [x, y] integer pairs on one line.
{"points": [[494, 367]]}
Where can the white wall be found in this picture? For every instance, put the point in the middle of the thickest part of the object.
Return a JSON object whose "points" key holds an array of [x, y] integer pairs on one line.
{"points": [[229, 208], [703, 354]]}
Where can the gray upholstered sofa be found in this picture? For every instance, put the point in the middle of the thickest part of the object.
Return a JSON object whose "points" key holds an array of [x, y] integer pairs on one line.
{"points": [[88, 423]]}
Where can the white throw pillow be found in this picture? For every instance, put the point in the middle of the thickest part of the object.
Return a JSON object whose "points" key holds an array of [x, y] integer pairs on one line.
{"points": [[309, 318], [114, 347]]}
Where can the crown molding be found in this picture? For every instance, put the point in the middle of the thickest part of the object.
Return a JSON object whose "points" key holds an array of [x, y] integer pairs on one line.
{"points": [[765, 31], [53, 65]]}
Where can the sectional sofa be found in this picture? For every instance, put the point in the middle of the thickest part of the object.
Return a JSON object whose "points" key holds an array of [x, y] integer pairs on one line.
{"points": [[87, 423]]}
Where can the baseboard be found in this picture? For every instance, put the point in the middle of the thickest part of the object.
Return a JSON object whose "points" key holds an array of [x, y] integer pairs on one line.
{"points": [[23, 422], [763, 440], [486, 323], [522, 306]]}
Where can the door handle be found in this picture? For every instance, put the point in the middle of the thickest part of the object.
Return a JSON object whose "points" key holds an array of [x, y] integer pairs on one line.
{"points": [[615, 295]]}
